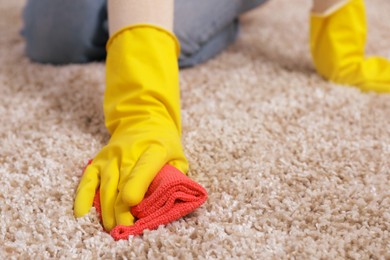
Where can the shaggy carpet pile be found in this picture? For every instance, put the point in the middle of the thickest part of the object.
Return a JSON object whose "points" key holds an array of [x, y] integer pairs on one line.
{"points": [[295, 167]]}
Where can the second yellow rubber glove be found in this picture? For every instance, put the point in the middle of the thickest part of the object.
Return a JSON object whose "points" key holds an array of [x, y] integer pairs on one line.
{"points": [[142, 113], [338, 44]]}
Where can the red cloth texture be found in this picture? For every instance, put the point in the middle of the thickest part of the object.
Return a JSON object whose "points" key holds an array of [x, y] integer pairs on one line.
{"points": [[170, 196]]}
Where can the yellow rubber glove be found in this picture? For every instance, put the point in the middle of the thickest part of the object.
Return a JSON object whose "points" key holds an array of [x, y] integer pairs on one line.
{"points": [[142, 113], [337, 45]]}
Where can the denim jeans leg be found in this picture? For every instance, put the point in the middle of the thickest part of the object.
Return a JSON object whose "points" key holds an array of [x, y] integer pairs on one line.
{"points": [[64, 31], [204, 27], [212, 47], [248, 5]]}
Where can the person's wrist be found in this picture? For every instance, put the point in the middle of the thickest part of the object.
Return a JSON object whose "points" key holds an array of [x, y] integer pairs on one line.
{"points": [[125, 13], [326, 7]]}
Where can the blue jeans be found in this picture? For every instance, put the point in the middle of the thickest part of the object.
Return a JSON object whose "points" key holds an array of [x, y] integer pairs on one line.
{"points": [[76, 31]]}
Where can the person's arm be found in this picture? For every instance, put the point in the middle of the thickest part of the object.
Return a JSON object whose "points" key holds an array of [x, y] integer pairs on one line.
{"points": [[123, 13], [338, 39], [141, 109], [326, 7]]}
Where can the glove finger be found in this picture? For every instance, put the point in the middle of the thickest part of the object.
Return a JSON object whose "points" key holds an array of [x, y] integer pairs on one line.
{"points": [[123, 215], [109, 193], [143, 173], [86, 191]]}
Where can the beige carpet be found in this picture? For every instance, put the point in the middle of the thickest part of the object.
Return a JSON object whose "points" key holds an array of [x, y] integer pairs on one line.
{"points": [[295, 167]]}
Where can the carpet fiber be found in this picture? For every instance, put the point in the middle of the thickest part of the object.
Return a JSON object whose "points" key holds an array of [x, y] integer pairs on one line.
{"points": [[295, 167]]}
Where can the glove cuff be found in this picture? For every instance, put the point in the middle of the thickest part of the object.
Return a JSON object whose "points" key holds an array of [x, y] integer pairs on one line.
{"points": [[150, 26]]}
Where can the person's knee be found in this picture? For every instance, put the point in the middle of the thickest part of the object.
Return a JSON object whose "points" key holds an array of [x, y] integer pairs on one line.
{"points": [[247, 5], [204, 27], [54, 47], [216, 44], [60, 32]]}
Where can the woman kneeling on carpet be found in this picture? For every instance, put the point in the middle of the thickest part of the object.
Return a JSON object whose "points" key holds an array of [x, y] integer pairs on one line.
{"points": [[142, 102]]}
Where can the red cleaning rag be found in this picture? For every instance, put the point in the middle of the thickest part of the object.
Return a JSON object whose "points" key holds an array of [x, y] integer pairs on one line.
{"points": [[170, 196]]}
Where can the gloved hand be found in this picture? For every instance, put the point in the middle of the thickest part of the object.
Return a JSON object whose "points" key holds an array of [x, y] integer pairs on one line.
{"points": [[142, 113], [338, 41]]}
